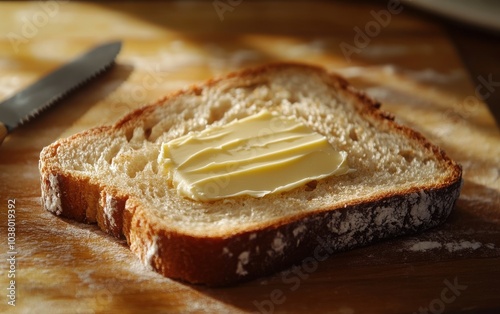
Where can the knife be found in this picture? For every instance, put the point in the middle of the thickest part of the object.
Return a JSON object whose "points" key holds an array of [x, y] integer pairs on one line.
{"points": [[32, 100]]}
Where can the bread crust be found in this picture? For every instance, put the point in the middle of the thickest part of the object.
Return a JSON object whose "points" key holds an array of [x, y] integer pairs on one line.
{"points": [[218, 261]]}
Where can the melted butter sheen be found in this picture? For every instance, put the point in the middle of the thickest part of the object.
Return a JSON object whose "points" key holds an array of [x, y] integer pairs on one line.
{"points": [[256, 156]]}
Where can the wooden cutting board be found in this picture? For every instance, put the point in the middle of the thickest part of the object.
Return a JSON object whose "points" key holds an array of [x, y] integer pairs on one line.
{"points": [[405, 62]]}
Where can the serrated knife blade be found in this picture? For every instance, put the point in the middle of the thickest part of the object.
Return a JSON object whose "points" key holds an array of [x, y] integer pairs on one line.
{"points": [[52, 87]]}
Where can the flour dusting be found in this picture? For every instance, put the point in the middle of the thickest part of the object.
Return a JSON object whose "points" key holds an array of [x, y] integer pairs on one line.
{"points": [[243, 259], [110, 209], [278, 243], [425, 245], [52, 197], [151, 252], [463, 245], [451, 247]]}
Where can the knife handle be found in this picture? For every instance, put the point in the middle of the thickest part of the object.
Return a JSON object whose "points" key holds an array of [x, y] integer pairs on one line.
{"points": [[3, 132]]}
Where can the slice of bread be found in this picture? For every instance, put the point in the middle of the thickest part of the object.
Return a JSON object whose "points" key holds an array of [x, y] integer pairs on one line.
{"points": [[110, 176]]}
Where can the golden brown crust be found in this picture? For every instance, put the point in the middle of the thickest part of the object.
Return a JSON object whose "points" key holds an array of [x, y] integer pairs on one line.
{"points": [[249, 254]]}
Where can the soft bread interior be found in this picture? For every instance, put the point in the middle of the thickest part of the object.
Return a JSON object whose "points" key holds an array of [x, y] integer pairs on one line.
{"points": [[386, 160]]}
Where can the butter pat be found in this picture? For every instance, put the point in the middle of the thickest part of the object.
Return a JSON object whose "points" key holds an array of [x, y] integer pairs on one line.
{"points": [[258, 155]]}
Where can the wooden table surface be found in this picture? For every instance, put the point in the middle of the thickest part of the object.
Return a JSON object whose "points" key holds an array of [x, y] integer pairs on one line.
{"points": [[403, 58]]}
